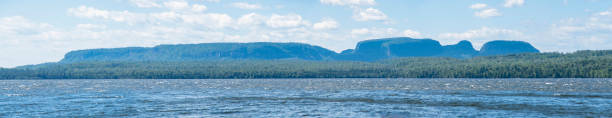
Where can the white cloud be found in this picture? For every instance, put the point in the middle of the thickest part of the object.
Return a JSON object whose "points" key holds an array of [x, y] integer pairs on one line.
{"points": [[486, 13], [348, 2], [483, 12], [211, 20], [478, 6], [89, 12], [374, 33], [513, 3], [90, 26], [145, 3], [212, 0], [176, 5], [579, 34], [369, 14], [604, 13], [481, 35], [165, 16], [360, 31], [20, 25], [412, 34], [325, 24], [244, 5], [383, 32], [251, 19], [598, 22], [289, 20], [22, 41], [198, 8], [359, 13], [118, 16], [483, 32]]}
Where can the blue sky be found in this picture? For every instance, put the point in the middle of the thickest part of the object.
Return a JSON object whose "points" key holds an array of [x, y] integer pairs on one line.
{"points": [[38, 31]]}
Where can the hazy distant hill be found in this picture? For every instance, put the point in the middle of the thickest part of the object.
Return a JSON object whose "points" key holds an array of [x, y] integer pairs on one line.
{"points": [[506, 47], [205, 51], [406, 47], [369, 50]]}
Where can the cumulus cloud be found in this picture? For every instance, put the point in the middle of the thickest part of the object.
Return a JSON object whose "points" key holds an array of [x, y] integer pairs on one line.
{"points": [[481, 35], [212, 0], [348, 2], [198, 8], [23, 41], [359, 13], [360, 31], [478, 6], [251, 19], [91, 26], [374, 33], [165, 17], [118, 16], [486, 13], [20, 25], [604, 13], [145, 3], [483, 32], [176, 5], [325, 24], [513, 3], [244, 5], [369, 14], [210, 20], [591, 33], [483, 12], [282, 21]]}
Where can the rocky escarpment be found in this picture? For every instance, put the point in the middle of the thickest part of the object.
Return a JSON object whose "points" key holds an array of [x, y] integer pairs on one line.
{"points": [[369, 50]]}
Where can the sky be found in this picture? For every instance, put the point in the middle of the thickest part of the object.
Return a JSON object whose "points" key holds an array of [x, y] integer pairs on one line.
{"points": [[39, 31]]}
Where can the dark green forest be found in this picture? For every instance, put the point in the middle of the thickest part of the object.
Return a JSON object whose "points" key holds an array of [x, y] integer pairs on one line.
{"points": [[581, 64]]}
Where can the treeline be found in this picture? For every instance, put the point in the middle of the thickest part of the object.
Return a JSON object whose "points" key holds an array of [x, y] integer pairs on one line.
{"points": [[582, 64]]}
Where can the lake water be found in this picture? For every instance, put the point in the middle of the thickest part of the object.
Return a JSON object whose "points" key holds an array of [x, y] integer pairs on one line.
{"points": [[307, 98]]}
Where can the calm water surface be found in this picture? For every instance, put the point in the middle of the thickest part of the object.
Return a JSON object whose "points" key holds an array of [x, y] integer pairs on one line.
{"points": [[307, 98]]}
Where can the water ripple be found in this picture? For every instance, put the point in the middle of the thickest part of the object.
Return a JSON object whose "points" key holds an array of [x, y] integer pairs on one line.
{"points": [[308, 98]]}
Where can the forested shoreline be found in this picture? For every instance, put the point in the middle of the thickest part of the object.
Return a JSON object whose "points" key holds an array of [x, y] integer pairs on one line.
{"points": [[581, 64]]}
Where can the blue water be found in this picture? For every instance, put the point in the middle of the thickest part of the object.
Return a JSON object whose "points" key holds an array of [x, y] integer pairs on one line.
{"points": [[307, 98]]}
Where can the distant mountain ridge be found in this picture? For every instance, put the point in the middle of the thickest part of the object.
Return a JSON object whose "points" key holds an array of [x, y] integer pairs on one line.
{"points": [[369, 50], [204, 51]]}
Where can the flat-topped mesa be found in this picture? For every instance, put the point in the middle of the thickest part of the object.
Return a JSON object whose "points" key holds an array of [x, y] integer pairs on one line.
{"points": [[506, 47], [377, 49], [204, 51], [369, 50]]}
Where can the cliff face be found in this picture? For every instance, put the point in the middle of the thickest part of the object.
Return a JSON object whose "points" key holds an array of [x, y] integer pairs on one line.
{"points": [[369, 50]]}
